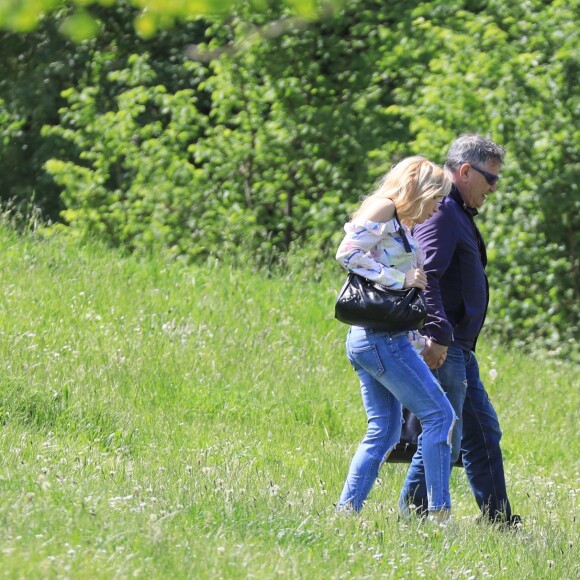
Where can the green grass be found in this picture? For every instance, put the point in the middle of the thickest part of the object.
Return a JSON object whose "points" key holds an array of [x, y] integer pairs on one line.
{"points": [[160, 420]]}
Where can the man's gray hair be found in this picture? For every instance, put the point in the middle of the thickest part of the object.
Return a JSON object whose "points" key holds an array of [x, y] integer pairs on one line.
{"points": [[471, 148]]}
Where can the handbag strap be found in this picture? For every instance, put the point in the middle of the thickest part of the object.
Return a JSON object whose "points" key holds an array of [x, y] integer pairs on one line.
{"points": [[403, 235]]}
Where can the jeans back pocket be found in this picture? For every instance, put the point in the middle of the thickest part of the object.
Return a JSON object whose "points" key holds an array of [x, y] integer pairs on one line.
{"points": [[366, 358]]}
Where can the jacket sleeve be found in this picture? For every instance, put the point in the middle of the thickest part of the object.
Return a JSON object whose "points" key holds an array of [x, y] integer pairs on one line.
{"points": [[438, 239]]}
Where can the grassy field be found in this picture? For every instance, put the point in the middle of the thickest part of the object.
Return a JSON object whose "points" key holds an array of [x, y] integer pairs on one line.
{"points": [[168, 421]]}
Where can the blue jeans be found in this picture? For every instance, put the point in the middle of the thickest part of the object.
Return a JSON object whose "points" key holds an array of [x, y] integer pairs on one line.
{"points": [[476, 434], [391, 373]]}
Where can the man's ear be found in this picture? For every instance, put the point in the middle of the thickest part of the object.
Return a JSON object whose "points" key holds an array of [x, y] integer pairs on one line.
{"points": [[463, 171]]}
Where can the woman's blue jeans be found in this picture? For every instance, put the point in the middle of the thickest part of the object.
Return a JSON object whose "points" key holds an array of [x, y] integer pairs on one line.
{"points": [[392, 374], [477, 434]]}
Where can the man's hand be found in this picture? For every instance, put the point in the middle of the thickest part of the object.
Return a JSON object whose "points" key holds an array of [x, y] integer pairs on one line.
{"points": [[434, 354]]}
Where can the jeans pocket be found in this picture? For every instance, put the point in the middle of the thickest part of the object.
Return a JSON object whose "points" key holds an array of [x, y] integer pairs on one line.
{"points": [[367, 358]]}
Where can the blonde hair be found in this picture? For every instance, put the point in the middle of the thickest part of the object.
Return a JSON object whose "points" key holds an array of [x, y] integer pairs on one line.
{"points": [[410, 184]]}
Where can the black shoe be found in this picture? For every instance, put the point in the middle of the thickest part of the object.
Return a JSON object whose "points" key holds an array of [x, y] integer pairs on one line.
{"points": [[515, 522]]}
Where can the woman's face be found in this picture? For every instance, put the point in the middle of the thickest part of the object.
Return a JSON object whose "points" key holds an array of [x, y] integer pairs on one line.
{"points": [[430, 208]]}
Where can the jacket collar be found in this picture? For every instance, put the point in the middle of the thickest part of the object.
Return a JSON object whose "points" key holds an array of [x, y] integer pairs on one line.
{"points": [[456, 196]]}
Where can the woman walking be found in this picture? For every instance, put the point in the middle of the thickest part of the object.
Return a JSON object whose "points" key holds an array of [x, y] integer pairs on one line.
{"points": [[391, 372]]}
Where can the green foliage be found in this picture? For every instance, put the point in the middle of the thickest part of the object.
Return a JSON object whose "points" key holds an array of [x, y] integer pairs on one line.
{"points": [[134, 185], [39, 66], [272, 160], [513, 76], [270, 143], [289, 135], [82, 24]]}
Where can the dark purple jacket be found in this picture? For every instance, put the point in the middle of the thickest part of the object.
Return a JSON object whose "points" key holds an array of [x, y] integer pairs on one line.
{"points": [[457, 292]]}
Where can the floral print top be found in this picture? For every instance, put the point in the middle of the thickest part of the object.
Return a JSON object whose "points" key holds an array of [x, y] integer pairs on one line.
{"points": [[376, 251]]}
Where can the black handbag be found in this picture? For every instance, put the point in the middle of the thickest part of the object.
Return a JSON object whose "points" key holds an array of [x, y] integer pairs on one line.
{"points": [[362, 302], [405, 449]]}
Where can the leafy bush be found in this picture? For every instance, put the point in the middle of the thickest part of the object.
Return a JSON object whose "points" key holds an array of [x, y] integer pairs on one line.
{"points": [[269, 145], [512, 75]]}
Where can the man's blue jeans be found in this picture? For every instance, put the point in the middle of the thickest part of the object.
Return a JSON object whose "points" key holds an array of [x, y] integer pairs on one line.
{"points": [[476, 434], [391, 373]]}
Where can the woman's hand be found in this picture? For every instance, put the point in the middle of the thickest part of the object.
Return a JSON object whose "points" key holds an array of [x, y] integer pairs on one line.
{"points": [[415, 279]]}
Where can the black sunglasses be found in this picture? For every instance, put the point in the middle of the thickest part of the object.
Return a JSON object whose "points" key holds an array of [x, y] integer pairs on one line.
{"points": [[489, 177]]}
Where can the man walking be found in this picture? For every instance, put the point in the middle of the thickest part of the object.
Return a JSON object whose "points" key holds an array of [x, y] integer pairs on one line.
{"points": [[457, 297]]}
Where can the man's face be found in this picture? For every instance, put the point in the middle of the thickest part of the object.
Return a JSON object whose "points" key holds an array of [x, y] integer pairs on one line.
{"points": [[473, 185]]}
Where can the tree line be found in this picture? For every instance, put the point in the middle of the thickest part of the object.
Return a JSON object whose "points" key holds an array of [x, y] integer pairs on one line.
{"points": [[258, 131]]}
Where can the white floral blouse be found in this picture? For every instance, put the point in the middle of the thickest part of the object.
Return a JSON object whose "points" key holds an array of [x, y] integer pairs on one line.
{"points": [[375, 250]]}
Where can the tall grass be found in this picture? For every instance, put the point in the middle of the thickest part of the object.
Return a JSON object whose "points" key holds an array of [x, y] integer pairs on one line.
{"points": [[160, 420]]}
